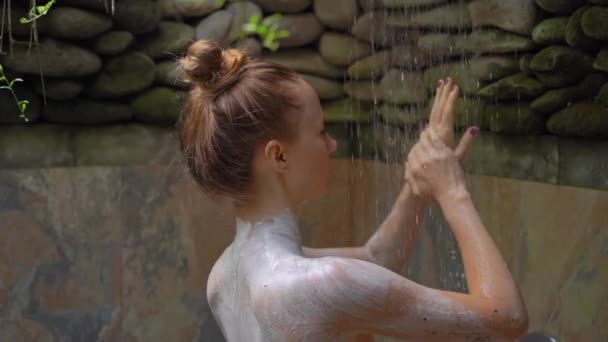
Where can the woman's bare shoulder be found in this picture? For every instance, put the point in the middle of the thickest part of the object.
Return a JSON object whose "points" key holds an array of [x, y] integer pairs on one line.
{"points": [[217, 277], [327, 285]]}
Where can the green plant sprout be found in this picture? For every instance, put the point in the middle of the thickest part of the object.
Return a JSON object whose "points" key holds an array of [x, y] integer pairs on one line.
{"points": [[267, 29], [9, 86], [34, 14], [37, 12]]}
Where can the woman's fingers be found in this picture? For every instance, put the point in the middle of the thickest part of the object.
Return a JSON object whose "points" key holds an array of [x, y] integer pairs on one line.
{"points": [[432, 139], [465, 142], [448, 84], [424, 146], [436, 110], [447, 118]]}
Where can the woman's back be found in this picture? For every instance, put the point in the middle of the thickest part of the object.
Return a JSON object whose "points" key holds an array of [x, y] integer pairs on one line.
{"points": [[229, 297], [250, 288]]}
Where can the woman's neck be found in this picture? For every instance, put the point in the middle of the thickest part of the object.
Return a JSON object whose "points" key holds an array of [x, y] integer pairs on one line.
{"points": [[278, 233], [263, 202], [269, 216]]}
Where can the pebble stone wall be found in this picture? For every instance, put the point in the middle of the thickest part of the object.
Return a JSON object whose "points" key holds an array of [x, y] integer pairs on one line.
{"points": [[529, 71]]}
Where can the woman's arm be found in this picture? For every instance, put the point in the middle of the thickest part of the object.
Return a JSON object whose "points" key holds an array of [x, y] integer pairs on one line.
{"points": [[347, 295], [392, 243], [486, 271]]}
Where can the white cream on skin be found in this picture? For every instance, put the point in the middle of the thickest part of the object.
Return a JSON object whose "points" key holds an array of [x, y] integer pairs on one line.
{"points": [[262, 288]]}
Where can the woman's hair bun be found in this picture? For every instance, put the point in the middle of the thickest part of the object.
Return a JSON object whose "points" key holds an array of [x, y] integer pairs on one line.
{"points": [[206, 63]]}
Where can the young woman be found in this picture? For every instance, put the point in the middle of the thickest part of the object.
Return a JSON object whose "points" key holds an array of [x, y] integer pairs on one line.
{"points": [[254, 131]]}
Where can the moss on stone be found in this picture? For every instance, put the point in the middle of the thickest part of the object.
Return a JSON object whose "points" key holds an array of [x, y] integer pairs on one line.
{"points": [[514, 118], [583, 119], [560, 6], [171, 38], [524, 64], [557, 66], [347, 110], [594, 22], [556, 99], [601, 61], [83, 111], [123, 75], [471, 111], [370, 67], [113, 42], [550, 31], [574, 32], [496, 41], [402, 115], [554, 57], [602, 97], [160, 105], [562, 78], [513, 87], [469, 75]]}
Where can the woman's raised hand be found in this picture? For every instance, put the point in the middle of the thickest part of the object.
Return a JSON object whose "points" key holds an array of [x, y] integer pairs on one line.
{"points": [[436, 146], [442, 112], [432, 167], [442, 115]]}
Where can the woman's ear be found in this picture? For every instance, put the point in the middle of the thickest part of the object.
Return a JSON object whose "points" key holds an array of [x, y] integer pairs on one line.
{"points": [[275, 153]]}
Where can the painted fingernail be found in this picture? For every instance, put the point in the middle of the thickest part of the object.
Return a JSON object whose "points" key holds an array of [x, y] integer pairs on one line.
{"points": [[474, 131]]}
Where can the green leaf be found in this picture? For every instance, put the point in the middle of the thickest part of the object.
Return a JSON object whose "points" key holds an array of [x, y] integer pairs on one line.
{"points": [[41, 9], [23, 106], [23, 21], [249, 28], [262, 30], [271, 35], [1, 68], [254, 19], [15, 80], [6, 87]]}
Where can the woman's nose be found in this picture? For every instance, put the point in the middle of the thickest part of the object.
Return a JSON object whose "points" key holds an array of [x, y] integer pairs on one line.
{"points": [[333, 145]]}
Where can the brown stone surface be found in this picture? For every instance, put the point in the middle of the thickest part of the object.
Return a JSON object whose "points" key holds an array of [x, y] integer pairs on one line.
{"points": [[123, 253]]}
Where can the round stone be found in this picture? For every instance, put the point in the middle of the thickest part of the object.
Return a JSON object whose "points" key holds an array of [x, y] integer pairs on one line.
{"points": [[113, 43], [76, 23], [61, 59], [124, 75]]}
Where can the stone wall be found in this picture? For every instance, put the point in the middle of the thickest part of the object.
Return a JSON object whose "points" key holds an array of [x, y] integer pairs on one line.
{"points": [[524, 67], [113, 92], [123, 253]]}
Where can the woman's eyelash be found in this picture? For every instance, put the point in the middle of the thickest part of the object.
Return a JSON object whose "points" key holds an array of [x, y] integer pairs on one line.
{"points": [[323, 132]]}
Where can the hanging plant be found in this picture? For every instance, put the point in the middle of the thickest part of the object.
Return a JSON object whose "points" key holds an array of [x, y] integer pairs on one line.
{"points": [[37, 12], [22, 104], [34, 14]]}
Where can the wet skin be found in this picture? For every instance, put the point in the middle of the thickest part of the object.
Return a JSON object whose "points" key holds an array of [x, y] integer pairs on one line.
{"points": [[267, 287]]}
